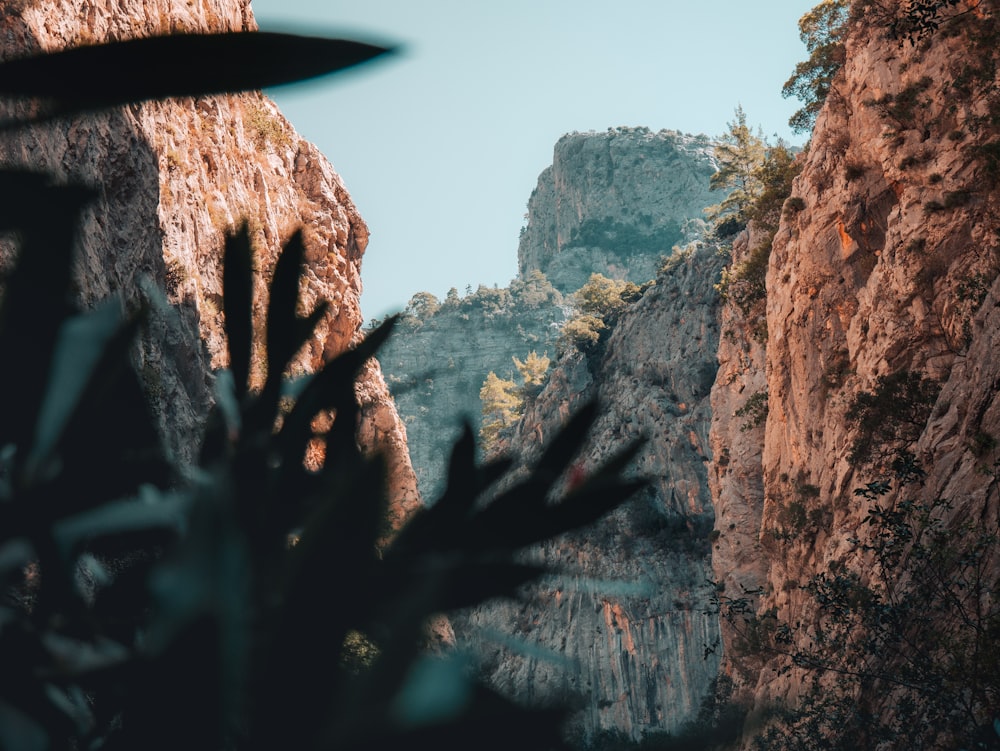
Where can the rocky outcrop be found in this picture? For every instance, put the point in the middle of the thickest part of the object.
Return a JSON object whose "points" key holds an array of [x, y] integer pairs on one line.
{"points": [[172, 178], [738, 408], [616, 203], [625, 626], [438, 362], [891, 266]]}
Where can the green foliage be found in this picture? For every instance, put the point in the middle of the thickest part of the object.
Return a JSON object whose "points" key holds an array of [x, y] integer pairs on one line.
{"points": [[903, 649], [266, 129], [605, 298], [533, 370], [775, 174], [534, 291], [503, 401], [891, 417], [822, 30], [581, 332], [422, 306], [600, 302], [503, 405], [740, 154], [743, 283], [626, 239], [755, 410], [252, 603], [917, 19]]}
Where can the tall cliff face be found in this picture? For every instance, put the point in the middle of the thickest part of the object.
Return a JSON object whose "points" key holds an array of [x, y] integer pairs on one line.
{"points": [[172, 177], [615, 203], [890, 267], [626, 625]]}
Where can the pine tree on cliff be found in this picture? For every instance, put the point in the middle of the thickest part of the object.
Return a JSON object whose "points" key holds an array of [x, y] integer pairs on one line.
{"points": [[740, 154]]}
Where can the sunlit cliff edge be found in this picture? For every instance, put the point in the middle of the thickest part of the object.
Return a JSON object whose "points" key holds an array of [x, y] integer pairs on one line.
{"points": [[887, 264], [172, 178]]}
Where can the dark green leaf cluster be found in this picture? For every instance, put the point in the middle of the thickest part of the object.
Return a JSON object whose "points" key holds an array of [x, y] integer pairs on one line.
{"points": [[891, 416], [919, 19], [755, 410], [822, 30], [743, 283], [259, 604], [902, 650]]}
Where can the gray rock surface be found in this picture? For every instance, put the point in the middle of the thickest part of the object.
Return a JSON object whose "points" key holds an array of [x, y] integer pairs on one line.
{"points": [[616, 203], [625, 625]]}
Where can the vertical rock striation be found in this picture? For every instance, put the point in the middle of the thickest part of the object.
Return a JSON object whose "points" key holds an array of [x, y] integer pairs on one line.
{"points": [[626, 625], [172, 178], [615, 203], [891, 266]]}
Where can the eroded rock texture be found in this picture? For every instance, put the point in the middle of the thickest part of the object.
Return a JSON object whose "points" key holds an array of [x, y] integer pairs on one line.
{"points": [[172, 178], [890, 267], [626, 623], [615, 203]]}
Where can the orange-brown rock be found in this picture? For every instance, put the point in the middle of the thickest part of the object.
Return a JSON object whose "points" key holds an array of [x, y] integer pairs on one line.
{"points": [[891, 266], [173, 177]]}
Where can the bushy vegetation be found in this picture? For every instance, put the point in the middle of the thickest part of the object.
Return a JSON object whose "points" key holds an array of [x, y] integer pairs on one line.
{"points": [[740, 153], [599, 303], [253, 603], [890, 417], [503, 400], [743, 283], [903, 649], [493, 304], [822, 31]]}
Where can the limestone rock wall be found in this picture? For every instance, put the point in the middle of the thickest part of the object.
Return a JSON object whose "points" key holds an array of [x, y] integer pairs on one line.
{"points": [[625, 625], [891, 266], [173, 177], [437, 366], [616, 203], [735, 474]]}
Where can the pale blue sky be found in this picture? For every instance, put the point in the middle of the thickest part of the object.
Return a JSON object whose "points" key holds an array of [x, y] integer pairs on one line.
{"points": [[441, 145]]}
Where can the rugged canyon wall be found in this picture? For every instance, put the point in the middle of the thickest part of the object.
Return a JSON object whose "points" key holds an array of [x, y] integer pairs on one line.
{"points": [[626, 628], [890, 267], [172, 178], [615, 203], [437, 364]]}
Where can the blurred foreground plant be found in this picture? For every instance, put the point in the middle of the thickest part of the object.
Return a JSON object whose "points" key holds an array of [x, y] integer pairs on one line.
{"points": [[143, 610]]}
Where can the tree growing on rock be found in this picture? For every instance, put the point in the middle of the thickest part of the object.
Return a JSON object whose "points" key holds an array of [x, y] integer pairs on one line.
{"points": [[740, 154], [822, 30]]}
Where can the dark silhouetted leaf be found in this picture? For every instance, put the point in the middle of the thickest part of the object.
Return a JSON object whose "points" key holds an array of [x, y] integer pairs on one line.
{"points": [[93, 77], [237, 303]]}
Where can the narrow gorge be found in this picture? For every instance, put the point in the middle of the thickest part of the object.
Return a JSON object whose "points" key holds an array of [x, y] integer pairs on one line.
{"points": [[813, 377]]}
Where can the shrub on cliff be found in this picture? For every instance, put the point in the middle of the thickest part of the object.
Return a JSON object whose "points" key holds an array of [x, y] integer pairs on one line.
{"points": [[822, 30], [743, 283], [739, 153], [902, 651], [256, 604], [599, 303]]}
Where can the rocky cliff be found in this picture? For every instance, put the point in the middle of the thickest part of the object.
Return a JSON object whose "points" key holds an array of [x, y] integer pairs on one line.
{"points": [[173, 177], [890, 267], [616, 203], [626, 626], [438, 362]]}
